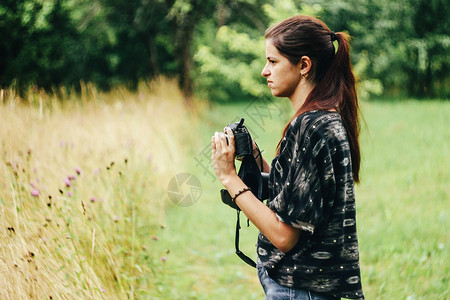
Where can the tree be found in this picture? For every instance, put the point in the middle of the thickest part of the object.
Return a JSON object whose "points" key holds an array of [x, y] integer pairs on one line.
{"points": [[24, 26], [230, 50], [404, 43], [185, 15], [429, 48], [139, 46], [215, 48], [44, 46]]}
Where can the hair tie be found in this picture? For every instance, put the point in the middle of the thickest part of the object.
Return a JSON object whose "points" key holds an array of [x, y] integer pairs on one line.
{"points": [[333, 36]]}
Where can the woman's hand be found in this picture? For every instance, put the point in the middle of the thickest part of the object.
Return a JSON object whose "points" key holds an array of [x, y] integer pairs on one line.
{"points": [[223, 155]]}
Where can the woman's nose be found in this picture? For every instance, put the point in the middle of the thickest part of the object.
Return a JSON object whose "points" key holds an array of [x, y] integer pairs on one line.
{"points": [[265, 71]]}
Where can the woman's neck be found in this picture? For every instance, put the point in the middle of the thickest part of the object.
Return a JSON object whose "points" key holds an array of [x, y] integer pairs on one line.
{"points": [[300, 94]]}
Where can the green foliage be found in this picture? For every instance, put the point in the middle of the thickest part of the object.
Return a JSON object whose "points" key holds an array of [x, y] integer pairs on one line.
{"points": [[231, 57], [215, 48], [39, 43], [407, 42], [62, 42], [230, 66], [284, 9]]}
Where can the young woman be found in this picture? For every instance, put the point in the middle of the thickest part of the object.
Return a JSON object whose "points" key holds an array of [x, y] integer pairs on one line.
{"points": [[307, 247]]}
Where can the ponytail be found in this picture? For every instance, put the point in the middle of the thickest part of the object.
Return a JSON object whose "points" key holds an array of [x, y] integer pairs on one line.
{"points": [[340, 78], [335, 83]]}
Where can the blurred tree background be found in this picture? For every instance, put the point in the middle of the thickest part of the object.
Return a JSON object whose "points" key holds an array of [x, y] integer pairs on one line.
{"points": [[215, 48]]}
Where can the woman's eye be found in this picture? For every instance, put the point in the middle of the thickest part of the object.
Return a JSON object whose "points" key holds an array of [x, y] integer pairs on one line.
{"points": [[272, 62]]}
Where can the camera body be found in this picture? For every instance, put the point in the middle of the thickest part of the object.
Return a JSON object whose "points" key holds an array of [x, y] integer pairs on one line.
{"points": [[242, 139]]}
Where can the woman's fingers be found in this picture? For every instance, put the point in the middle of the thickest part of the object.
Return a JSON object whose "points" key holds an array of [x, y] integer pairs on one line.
{"points": [[230, 136], [222, 154], [213, 144], [222, 144], [223, 140], [217, 141]]}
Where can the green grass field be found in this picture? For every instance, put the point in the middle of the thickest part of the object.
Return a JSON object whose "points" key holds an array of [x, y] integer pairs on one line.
{"points": [[113, 233], [402, 206]]}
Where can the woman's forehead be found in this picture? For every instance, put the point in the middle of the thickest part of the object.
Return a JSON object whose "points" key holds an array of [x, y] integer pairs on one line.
{"points": [[271, 50]]}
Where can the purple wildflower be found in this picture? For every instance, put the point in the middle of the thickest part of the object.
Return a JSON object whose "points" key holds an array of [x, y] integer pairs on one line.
{"points": [[35, 192], [78, 171], [93, 199], [69, 194], [67, 182], [164, 258], [72, 177]]}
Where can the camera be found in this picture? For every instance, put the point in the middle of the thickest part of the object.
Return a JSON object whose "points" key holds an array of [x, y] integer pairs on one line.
{"points": [[242, 139]]}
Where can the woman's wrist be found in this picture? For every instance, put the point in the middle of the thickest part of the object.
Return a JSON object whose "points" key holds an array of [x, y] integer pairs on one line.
{"points": [[230, 181], [245, 189]]}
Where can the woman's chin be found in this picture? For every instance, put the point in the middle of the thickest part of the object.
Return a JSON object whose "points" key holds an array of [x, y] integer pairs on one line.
{"points": [[277, 94], [274, 93]]}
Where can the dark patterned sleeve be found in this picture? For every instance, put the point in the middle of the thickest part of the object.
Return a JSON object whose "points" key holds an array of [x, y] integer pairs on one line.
{"points": [[310, 182]]}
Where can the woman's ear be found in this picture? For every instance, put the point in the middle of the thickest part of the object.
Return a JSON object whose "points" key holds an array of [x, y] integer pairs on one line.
{"points": [[305, 66]]}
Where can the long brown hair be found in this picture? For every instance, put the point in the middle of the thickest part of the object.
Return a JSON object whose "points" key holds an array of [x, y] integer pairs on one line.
{"points": [[331, 72]]}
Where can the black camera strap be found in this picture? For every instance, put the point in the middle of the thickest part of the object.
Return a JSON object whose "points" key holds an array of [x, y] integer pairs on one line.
{"points": [[241, 255], [249, 161], [251, 175]]}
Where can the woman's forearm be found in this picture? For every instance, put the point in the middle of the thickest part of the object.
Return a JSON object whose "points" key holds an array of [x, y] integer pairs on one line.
{"points": [[281, 235]]}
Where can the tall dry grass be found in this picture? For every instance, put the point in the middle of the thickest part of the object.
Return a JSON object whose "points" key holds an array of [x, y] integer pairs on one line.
{"points": [[83, 186]]}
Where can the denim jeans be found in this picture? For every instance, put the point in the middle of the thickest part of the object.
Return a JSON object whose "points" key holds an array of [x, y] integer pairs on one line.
{"points": [[275, 291]]}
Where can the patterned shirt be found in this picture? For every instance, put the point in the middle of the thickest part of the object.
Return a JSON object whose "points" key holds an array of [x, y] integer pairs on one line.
{"points": [[311, 188]]}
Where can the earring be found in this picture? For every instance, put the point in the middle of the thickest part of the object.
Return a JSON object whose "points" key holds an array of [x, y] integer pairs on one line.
{"points": [[304, 76]]}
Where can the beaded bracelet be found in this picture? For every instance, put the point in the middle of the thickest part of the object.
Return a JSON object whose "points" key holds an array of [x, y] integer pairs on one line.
{"points": [[239, 193]]}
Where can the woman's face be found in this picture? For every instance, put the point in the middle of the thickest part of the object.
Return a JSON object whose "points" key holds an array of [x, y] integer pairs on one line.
{"points": [[282, 76]]}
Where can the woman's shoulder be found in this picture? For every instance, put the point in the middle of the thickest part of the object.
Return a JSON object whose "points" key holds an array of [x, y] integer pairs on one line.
{"points": [[312, 121]]}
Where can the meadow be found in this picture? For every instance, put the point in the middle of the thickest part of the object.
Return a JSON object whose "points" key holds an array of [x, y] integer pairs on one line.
{"points": [[86, 213]]}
